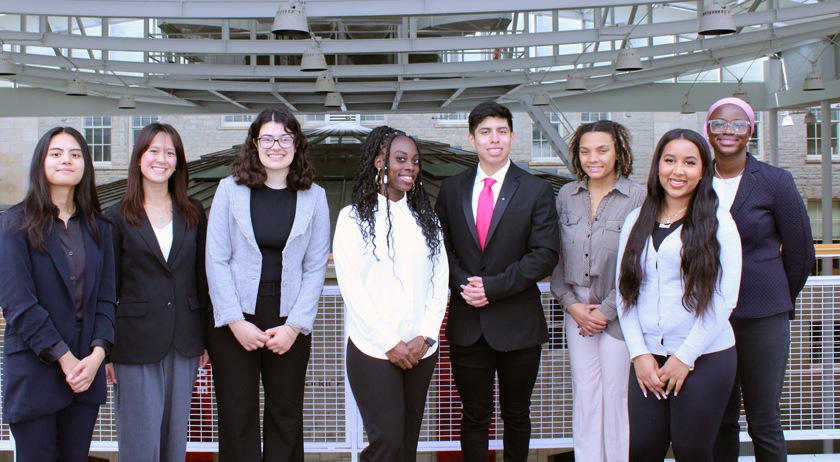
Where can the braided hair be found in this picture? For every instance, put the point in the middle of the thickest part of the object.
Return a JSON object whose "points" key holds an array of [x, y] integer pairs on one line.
{"points": [[366, 188], [621, 139]]}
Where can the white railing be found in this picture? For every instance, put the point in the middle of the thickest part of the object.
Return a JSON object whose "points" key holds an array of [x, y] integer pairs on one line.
{"points": [[332, 423]]}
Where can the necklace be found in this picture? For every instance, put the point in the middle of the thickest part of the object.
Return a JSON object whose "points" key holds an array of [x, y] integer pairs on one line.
{"points": [[669, 218], [728, 181], [162, 213]]}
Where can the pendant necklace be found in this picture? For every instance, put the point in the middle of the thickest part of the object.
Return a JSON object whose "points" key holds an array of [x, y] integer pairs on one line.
{"points": [[669, 218], [161, 213], [731, 180]]}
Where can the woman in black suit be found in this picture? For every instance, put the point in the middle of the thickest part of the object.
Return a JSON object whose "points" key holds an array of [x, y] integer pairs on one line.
{"points": [[57, 295], [159, 235]]}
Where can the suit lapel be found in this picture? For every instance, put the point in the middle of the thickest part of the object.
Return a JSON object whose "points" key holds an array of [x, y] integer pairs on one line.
{"points": [[240, 208], [91, 265], [148, 234], [178, 230], [466, 203], [59, 259], [747, 182], [509, 187]]}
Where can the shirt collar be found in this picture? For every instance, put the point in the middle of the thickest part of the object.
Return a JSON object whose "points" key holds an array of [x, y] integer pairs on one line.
{"points": [[402, 203], [622, 185], [499, 176]]}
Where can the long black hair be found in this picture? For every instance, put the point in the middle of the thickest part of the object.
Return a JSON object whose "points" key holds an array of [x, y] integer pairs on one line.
{"points": [[700, 255], [366, 189], [39, 211]]}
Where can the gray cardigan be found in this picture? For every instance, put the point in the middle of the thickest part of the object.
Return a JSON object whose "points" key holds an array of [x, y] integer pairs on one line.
{"points": [[234, 261]]}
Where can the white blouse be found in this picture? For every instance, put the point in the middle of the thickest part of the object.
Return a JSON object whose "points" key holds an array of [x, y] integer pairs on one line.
{"points": [[164, 237], [659, 323], [399, 293]]}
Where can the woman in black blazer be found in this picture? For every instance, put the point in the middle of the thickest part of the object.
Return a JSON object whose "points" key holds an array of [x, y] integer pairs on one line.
{"points": [[778, 253], [159, 235], [57, 296]]}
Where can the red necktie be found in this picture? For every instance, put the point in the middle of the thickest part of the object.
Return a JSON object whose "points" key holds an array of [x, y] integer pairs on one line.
{"points": [[485, 211]]}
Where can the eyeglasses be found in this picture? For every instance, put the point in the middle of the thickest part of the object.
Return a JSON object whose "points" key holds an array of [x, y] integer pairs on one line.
{"points": [[739, 127], [267, 142]]}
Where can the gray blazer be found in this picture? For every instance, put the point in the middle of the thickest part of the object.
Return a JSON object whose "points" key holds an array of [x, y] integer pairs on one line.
{"points": [[234, 261]]}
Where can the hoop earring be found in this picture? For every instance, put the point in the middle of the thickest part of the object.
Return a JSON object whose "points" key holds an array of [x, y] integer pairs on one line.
{"points": [[385, 177], [378, 180]]}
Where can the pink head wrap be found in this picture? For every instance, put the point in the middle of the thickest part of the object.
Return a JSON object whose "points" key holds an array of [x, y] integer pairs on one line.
{"points": [[736, 102]]}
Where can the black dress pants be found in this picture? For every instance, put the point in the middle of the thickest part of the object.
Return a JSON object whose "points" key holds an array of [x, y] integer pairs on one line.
{"points": [[686, 421], [391, 401], [236, 377], [474, 368]]}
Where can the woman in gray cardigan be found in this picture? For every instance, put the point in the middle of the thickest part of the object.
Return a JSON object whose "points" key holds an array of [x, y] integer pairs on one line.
{"points": [[267, 249]]}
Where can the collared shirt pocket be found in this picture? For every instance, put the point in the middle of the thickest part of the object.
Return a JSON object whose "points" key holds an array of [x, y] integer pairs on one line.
{"points": [[612, 233], [570, 231]]}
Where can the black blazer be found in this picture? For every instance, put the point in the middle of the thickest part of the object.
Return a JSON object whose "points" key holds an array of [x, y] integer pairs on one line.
{"points": [[162, 303], [38, 307], [770, 216], [521, 249]]}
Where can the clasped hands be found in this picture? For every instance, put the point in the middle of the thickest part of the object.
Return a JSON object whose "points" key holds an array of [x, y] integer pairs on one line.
{"points": [[661, 381], [588, 318], [406, 355], [79, 374], [473, 292], [278, 339]]}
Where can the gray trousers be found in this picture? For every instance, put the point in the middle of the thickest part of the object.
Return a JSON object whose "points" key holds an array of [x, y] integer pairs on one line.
{"points": [[152, 405]]}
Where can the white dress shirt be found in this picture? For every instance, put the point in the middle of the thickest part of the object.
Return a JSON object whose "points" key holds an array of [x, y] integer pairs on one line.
{"points": [[478, 186], [399, 293], [659, 323]]}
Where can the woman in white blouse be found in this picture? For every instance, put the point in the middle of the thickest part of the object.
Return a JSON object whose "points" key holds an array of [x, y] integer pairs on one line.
{"points": [[678, 279], [392, 271]]}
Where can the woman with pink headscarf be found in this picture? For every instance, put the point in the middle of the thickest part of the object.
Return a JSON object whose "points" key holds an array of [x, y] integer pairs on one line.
{"points": [[778, 254]]}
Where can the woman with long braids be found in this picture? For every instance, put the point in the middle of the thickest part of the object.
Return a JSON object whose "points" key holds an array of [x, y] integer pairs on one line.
{"points": [[678, 278], [58, 297], [592, 210], [778, 253], [393, 274], [268, 240]]}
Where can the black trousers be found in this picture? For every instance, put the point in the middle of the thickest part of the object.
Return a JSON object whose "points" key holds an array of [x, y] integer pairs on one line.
{"points": [[236, 377], [687, 421], [763, 346], [391, 402], [474, 368], [64, 436]]}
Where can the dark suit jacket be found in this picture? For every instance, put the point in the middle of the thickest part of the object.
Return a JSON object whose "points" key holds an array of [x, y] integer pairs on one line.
{"points": [[770, 215], [521, 249], [161, 302], [38, 307]]}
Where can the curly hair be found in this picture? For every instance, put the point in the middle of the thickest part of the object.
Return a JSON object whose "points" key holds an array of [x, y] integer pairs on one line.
{"points": [[622, 141], [247, 168], [39, 211], [365, 190], [700, 256]]}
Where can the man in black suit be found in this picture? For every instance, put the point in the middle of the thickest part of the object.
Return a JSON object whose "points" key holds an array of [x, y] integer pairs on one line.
{"points": [[496, 322]]}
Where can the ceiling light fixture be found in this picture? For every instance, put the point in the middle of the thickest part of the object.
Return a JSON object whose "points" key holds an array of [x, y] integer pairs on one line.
{"points": [[332, 100], [814, 80], [628, 59], [127, 102], [717, 20], [575, 82], [541, 99], [787, 120], [810, 118], [7, 66], [741, 94], [687, 107], [76, 87], [325, 83], [290, 20], [313, 59]]}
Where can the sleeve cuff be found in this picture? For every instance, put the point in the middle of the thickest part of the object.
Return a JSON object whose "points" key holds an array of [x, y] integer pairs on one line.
{"points": [[106, 345], [53, 353]]}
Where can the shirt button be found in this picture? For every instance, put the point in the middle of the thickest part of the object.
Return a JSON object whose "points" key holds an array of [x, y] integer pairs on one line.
{"points": [[586, 274], [72, 278], [70, 253], [586, 255], [169, 304]]}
